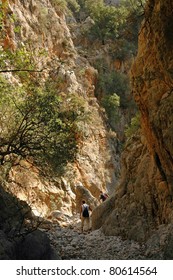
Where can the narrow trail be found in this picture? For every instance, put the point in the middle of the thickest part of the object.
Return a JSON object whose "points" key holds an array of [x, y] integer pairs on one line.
{"points": [[72, 244]]}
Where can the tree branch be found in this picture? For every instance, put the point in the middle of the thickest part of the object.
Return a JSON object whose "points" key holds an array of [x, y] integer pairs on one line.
{"points": [[21, 70]]}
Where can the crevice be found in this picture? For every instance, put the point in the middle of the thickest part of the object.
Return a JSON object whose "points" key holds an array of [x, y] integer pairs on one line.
{"points": [[158, 163]]}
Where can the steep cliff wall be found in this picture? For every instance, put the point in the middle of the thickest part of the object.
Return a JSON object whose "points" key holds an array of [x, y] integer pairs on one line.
{"points": [[42, 28], [143, 200]]}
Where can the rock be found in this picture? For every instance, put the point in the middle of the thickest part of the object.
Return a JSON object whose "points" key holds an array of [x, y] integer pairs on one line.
{"points": [[83, 193], [76, 80], [7, 248], [100, 213], [74, 245], [35, 246], [168, 250], [160, 245]]}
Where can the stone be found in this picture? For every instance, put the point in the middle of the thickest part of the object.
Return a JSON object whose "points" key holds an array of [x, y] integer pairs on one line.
{"points": [[35, 246], [7, 248]]}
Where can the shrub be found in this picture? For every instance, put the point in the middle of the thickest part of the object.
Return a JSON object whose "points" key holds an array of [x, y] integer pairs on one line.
{"points": [[113, 81], [133, 127], [64, 6], [60, 5], [111, 104]]}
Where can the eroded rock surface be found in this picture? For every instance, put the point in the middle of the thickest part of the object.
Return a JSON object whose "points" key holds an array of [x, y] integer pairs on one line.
{"points": [[43, 24], [143, 199]]}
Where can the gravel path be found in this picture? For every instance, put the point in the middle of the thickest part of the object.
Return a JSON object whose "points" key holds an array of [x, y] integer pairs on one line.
{"points": [[74, 245]]}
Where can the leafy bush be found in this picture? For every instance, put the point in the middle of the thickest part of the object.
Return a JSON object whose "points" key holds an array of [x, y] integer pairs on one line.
{"points": [[105, 26], [123, 50], [110, 82], [60, 5], [111, 104], [134, 126], [64, 6], [73, 5]]}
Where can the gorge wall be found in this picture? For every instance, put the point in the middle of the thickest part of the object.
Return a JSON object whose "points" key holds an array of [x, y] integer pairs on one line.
{"points": [[42, 28], [143, 199]]}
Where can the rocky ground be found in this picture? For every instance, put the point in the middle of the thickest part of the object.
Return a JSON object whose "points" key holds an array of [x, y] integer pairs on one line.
{"points": [[94, 245]]}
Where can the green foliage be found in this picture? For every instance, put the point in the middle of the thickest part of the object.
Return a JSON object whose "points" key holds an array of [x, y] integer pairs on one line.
{"points": [[134, 126], [19, 59], [135, 13], [21, 62], [76, 104], [123, 50], [8, 118], [65, 6], [3, 7], [82, 4], [113, 22], [73, 5], [61, 5], [136, 6], [106, 22], [111, 104], [110, 82], [34, 121], [1, 17], [114, 80]]}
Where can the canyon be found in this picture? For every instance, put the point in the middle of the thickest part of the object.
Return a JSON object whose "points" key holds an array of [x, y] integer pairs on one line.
{"points": [[137, 216]]}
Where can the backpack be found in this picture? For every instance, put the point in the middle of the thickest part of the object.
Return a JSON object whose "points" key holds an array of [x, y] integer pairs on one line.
{"points": [[85, 212], [103, 196]]}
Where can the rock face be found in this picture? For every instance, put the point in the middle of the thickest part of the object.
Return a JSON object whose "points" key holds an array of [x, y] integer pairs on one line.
{"points": [[43, 25], [143, 199], [153, 85], [35, 246], [16, 240], [43, 30], [142, 202]]}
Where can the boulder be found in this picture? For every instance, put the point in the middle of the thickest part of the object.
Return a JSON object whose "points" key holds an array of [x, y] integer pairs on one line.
{"points": [[35, 246]]}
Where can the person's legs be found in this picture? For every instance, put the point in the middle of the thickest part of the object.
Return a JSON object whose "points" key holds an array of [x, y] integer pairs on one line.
{"points": [[88, 223], [82, 223]]}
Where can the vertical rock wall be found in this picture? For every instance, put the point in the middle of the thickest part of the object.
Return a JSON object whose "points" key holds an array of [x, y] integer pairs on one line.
{"points": [[42, 28], [152, 84], [143, 200]]}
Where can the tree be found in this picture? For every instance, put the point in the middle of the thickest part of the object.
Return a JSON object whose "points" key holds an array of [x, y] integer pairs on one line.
{"points": [[134, 15], [111, 104], [114, 22], [34, 122], [106, 22], [134, 126]]}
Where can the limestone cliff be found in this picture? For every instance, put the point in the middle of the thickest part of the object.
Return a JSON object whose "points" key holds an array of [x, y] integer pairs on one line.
{"points": [[143, 199], [42, 28], [141, 205]]}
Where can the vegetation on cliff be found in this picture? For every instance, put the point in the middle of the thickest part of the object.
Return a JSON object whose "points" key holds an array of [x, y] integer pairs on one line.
{"points": [[45, 97], [35, 119], [116, 27]]}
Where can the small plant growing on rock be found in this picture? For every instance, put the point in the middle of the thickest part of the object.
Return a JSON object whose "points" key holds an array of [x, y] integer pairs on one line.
{"points": [[134, 126]]}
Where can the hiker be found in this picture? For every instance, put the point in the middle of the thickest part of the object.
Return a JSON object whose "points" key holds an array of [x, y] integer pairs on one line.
{"points": [[103, 196], [85, 215]]}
